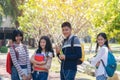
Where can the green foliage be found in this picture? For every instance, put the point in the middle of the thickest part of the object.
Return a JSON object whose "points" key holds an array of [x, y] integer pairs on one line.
{"points": [[3, 49], [88, 17], [1, 14], [0, 19], [118, 67], [106, 17], [45, 17], [10, 8]]}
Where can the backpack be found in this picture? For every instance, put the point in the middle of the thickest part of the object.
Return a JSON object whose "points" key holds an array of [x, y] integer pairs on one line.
{"points": [[9, 63], [80, 61], [111, 64]]}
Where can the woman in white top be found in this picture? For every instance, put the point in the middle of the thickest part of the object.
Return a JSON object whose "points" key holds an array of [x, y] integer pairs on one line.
{"points": [[102, 54]]}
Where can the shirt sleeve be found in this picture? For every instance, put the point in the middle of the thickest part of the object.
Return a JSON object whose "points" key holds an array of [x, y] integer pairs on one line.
{"points": [[14, 60], [49, 61], [98, 57]]}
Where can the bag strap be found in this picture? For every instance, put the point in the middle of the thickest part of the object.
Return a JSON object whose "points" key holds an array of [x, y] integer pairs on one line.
{"points": [[72, 43], [16, 53], [103, 63]]}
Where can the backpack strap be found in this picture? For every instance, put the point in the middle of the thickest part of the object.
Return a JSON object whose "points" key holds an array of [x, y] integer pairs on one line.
{"points": [[103, 63], [72, 43], [16, 53]]}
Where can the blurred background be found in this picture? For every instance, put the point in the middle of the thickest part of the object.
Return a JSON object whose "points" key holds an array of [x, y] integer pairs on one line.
{"points": [[44, 17]]}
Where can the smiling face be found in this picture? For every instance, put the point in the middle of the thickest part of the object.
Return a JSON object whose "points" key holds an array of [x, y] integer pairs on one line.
{"points": [[101, 41], [66, 31], [18, 39], [43, 44]]}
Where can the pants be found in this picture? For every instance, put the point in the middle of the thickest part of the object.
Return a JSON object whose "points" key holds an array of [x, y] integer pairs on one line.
{"points": [[67, 74], [40, 75], [15, 75], [101, 77]]}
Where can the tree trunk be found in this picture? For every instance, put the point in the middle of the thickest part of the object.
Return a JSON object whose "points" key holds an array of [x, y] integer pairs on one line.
{"points": [[90, 48]]}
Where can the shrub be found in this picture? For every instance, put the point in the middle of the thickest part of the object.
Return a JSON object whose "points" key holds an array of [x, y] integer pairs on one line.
{"points": [[3, 49]]}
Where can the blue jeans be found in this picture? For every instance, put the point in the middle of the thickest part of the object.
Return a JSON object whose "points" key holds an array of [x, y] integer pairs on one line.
{"points": [[14, 74], [67, 74], [101, 77], [40, 75]]}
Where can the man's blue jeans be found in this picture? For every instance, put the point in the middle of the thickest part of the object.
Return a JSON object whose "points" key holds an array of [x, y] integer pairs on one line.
{"points": [[67, 74], [40, 75]]}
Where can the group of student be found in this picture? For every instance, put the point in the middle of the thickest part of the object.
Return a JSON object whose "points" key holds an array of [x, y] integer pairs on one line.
{"points": [[23, 68]]}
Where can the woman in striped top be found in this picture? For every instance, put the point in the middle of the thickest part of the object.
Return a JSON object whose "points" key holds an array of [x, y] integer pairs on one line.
{"points": [[41, 68], [21, 69]]}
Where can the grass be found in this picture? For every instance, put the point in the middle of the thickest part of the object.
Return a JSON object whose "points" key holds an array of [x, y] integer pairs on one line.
{"points": [[111, 44], [115, 49], [118, 67], [55, 67]]}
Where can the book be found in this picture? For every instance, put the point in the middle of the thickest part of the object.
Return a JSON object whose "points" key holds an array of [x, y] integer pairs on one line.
{"points": [[39, 57]]}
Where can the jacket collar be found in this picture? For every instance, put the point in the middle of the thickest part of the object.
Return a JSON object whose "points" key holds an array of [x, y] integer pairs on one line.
{"points": [[68, 38]]}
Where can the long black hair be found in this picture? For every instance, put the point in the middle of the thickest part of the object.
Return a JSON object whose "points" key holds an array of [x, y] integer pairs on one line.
{"points": [[48, 47], [106, 42], [17, 33]]}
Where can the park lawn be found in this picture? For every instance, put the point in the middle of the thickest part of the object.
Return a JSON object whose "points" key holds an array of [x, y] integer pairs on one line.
{"points": [[118, 67], [55, 67], [111, 44], [115, 49], [115, 44]]}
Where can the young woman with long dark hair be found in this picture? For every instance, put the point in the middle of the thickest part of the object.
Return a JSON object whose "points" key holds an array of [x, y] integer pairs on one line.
{"points": [[41, 68], [102, 49]]}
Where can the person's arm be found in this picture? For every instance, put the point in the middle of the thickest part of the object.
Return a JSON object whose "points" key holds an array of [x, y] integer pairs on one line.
{"points": [[48, 62], [57, 51], [98, 57], [15, 62], [37, 62], [47, 65], [58, 55], [77, 51]]}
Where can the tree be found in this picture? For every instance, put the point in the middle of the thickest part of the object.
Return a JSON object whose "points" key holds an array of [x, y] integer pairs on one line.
{"points": [[10, 8], [45, 17], [105, 17]]}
